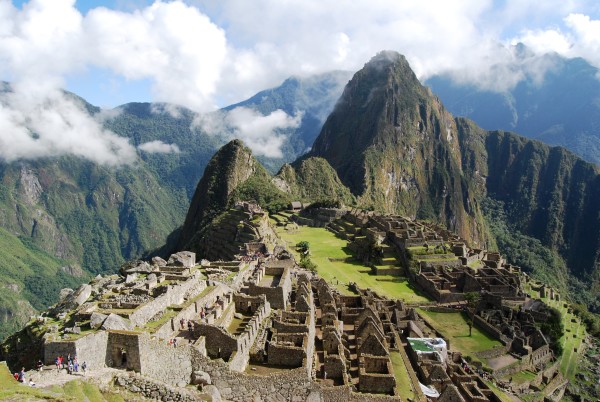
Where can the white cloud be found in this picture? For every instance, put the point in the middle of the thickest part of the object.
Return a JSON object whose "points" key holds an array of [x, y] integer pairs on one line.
{"points": [[261, 133], [55, 124], [159, 147]]}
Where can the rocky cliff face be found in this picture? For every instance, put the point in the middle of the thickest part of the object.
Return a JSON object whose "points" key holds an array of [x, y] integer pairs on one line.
{"points": [[395, 146]]}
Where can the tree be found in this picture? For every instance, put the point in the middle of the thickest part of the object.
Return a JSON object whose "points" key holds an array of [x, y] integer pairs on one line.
{"points": [[472, 299], [302, 246]]}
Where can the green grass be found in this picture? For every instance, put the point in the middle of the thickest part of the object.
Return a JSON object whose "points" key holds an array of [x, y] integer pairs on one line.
{"points": [[454, 327], [569, 358], [522, 376], [75, 390], [325, 247], [499, 393], [403, 384]]}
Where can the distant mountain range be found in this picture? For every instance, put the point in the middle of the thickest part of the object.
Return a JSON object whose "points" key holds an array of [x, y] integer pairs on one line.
{"points": [[560, 108]]}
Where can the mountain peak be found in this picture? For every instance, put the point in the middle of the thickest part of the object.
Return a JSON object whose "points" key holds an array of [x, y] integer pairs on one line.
{"points": [[394, 145], [231, 166]]}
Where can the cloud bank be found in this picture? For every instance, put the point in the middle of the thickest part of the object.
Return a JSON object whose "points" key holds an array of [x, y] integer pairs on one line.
{"points": [[202, 54], [159, 147], [263, 134]]}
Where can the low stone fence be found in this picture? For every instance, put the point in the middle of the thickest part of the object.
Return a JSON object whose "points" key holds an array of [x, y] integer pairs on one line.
{"points": [[153, 389]]}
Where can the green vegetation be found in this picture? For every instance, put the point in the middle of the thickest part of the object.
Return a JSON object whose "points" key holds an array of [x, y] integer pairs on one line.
{"points": [[28, 273], [314, 180], [403, 384], [259, 187], [455, 328], [302, 246], [337, 266], [76, 390]]}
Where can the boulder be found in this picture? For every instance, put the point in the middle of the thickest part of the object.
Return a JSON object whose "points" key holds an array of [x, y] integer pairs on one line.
{"points": [[116, 322], [159, 262], [201, 378], [213, 392], [131, 278], [135, 266], [64, 293], [183, 259], [97, 319], [82, 294]]}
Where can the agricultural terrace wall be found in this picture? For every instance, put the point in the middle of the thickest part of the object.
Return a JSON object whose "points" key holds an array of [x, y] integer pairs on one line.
{"points": [[174, 295], [490, 329]]}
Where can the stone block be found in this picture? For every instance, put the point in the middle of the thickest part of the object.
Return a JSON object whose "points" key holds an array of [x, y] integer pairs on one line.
{"points": [[97, 319], [135, 266], [201, 378], [183, 259], [116, 322]]}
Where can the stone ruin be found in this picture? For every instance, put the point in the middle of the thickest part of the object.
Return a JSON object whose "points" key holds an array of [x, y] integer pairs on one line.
{"points": [[265, 313]]}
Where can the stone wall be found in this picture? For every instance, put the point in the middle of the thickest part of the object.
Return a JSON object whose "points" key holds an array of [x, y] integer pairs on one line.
{"points": [[153, 389], [173, 296], [219, 342], [90, 348], [54, 349], [159, 360], [490, 330], [123, 350]]}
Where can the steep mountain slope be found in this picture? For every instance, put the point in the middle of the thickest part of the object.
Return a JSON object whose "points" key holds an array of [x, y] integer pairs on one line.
{"points": [[233, 174], [563, 108], [394, 145], [392, 142], [313, 179]]}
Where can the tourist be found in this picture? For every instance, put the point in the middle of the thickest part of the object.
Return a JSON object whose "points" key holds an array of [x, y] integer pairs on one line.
{"points": [[174, 342], [57, 363], [39, 365], [22, 375], [70, 367], [182, 323], [84, 367], [31, 383], [75, 365], [190, 326]]}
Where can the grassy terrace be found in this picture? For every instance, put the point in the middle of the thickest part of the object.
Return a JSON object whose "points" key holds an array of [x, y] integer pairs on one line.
{"points": [[402, 379], [575, 333], [454, 327], [332, 258]]}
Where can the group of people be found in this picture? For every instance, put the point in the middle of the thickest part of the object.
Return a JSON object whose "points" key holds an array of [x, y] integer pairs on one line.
{"points": [[20, 376], [190, 325], [69, 363]]}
